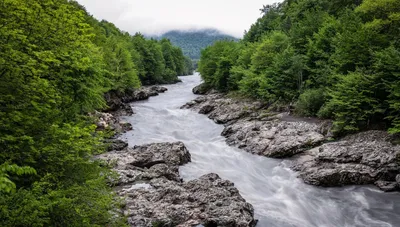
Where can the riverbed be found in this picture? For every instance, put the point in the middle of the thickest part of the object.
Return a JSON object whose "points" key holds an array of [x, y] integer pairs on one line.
{"points": [[280, 199]]}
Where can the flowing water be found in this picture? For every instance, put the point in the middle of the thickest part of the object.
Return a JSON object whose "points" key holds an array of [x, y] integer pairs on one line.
{"points": [[279, 198]]}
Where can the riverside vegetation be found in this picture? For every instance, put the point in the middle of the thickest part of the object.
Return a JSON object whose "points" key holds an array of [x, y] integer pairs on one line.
{"points": [[335, 59], [56, 64]]}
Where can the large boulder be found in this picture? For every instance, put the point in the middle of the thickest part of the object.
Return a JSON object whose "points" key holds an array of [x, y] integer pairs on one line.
{"points": [[274, 138], [149, 181], [209, 201], [116, 144], [146, 156], [147, 162], [110, 121], [221, 108], [363, 158], [201, 89]]}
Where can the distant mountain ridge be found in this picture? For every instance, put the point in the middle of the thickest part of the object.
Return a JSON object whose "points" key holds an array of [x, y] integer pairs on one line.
{"points": [[193, 41]]}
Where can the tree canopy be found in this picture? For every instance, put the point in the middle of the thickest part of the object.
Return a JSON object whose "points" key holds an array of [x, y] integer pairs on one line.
{"points": [[56, 64], [345, 52]]}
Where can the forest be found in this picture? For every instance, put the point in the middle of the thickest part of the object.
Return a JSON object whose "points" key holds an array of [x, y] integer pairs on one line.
{"points": [[56, 64], [333, 59]]}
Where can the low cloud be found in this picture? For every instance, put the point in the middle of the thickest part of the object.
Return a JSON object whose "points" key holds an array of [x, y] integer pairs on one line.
{"points": [[154, 17]]}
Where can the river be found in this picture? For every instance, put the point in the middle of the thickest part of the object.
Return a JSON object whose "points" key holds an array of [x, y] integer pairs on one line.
{"points": [[279, 198]]}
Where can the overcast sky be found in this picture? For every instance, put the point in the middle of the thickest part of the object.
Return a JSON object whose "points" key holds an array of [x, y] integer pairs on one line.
{"points": [[158, 16]]}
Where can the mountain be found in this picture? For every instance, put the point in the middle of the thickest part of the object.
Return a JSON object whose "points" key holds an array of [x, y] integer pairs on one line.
{"points": [[193, 41]]}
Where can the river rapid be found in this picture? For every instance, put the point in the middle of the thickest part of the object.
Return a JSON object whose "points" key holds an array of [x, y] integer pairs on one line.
{"points": [[279, 198]]}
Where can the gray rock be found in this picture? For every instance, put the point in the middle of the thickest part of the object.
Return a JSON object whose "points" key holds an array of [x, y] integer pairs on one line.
{"points": [[201, 89], [363, 158], [116, 145], [106, 121], [147, 162], [132, 175], [222, 109], [209, 201], [126, 126], [277, 139], [166, 200], [144, 93], [158, 89], [194, 103], [109, 121], [206, 109], [146, 156], [173, 154], [118, 100], [387, 186], [398, 179], [248, 127]]}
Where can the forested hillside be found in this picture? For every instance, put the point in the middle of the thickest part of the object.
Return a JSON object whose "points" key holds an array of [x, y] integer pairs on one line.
{"points": [[56, 63], [192, 42], [336, 59]]}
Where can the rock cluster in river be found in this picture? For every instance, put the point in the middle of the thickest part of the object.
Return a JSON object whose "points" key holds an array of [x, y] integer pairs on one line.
{"points": [[118, 101], [252, 129], [364, 158], [155, 194]]}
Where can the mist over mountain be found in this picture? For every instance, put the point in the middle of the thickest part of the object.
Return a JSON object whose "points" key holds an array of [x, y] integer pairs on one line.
{"points": [[193, 41]]}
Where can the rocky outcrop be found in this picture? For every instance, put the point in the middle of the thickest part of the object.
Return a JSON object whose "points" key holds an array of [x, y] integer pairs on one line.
{"points": [[118, 105], [147, 162], [363, 158], [116, 144], [155, 194], [209, 201], [275, 138], [249, 126], [222, 109], [109, 122], [201, 89], [118, 101]]}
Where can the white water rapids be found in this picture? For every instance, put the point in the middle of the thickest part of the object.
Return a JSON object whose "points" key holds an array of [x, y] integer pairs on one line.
{"points": [[279, 198]]}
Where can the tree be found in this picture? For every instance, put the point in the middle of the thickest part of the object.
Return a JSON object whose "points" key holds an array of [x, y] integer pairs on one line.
{"points": [[345, 51], [216, 63], [353, 102]]}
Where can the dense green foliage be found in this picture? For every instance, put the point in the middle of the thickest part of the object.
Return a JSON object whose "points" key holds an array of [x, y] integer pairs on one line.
{"points": [[56, 63], [338, 59], [192, 42]]}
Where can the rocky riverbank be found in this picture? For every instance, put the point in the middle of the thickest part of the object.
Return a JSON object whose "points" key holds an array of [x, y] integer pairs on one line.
{"points": [[149, 181], [118, 102], [364, 158], [156, 195]]}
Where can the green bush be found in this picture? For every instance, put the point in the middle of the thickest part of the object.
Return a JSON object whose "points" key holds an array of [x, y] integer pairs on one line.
{"points": [[310, 102], [352, 103]]}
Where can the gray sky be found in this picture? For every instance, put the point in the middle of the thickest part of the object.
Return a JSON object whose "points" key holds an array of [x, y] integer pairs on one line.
{"points": [[158, 16]]}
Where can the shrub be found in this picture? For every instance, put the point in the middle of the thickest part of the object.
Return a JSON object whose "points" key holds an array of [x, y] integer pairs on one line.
{"points": [[310, 102]]}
